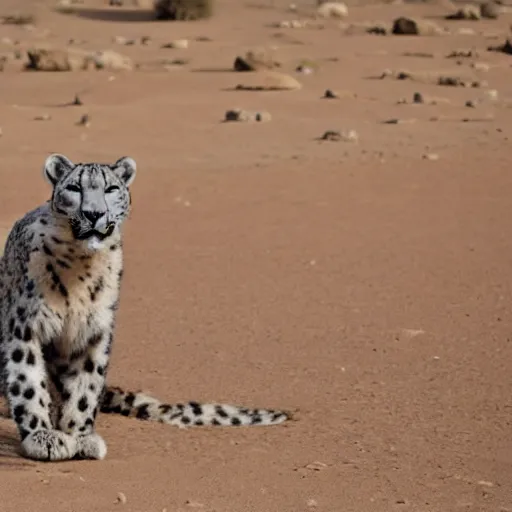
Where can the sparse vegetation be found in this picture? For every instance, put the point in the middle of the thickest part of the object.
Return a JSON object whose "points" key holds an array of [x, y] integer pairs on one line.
{"points": [[183, 10]]}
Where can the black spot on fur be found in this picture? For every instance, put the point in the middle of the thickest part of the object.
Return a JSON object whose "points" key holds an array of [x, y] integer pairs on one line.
{"points": [[11, 325], [30, 286], [17, 355], [71, 425], [24, 434], [17, 332], [34, 422], [44, 222], [221, 412], [94, 340], [89, 366], [142, 412], [58, 241], [216, 422], [31, 358], [235, 421], [130, 397], [47, 250], [196, 408], [100, 370], [63, 264], [83, 404], [185, 420], [15, 389], [19, 412], [89, 422], [22, 377], [29, 393], [27, 334]]}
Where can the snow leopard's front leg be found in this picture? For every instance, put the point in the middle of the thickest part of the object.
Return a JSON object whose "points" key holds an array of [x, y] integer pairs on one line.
{"points": [[81, 384], [28, 396]]}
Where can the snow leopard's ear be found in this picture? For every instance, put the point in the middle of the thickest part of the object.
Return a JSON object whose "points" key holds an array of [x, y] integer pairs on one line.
{"points": [[125, 169], [56, 167]]}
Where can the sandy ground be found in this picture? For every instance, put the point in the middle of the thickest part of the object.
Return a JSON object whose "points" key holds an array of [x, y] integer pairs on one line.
{"points": [[360, 282]]}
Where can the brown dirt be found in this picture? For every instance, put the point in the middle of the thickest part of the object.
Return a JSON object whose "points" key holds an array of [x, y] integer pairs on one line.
{"points": [[360, 282]]}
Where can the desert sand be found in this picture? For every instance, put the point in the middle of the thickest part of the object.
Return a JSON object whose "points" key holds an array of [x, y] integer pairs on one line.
{"points": [[363, 280]]}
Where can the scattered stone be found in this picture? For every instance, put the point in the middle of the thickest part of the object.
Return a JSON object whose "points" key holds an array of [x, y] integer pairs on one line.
{"points": [[336, 10], [178, 44], [254, 60], [479, 66], [85, 120], [418, 98], [269, 81], [466, 12], [336, 136], [241, 115], [415, 27], [7, 41], [463, 53], [194, 504], [145, 40], [43, 117], [503, 48], [18, 19], [491, 94], [379, 29], [424, 55], [183, 10], [471, 103], [121, 498], [317, 465], [113, 61], [293, 24], [431, 156], [43, 59], [330, 94], [3, 62], [77, 101], [397, 120], [490, 10], [465, 31]]}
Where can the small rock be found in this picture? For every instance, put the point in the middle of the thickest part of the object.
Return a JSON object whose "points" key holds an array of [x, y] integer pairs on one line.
{"points": [[418, 98], [43, 117], [317, 465], [465, 31], [491, 94], [480, 66], [504, 48], [471, 103], [466, 12], [85, 120], [336, 10], [254, 60], [336, 136], [241, 115], [463, 53], [269, 81], [432, 157], [312, 503], [145, 40], [121, 498], [177, 44], [330, 94], [489, 10], [396, 120], [7, 41], [415, 27], [77, 101]]}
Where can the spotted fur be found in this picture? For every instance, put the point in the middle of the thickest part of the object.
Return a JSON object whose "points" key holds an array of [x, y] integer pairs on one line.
{"points": [[60, 279]]}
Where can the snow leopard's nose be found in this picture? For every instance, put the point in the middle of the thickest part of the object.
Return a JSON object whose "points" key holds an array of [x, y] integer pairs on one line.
{"points": [[93, 216]]}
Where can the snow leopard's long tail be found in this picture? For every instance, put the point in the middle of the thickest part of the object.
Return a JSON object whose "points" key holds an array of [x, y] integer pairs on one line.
{"points": [[144, 407]]}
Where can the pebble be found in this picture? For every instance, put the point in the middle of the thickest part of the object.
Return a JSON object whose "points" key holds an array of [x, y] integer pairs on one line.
{"points": [[432, 157], [238, 114], [43, 117], [330, 94], [85, 120], [121, 498], [178, 44], [336, 136]]}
